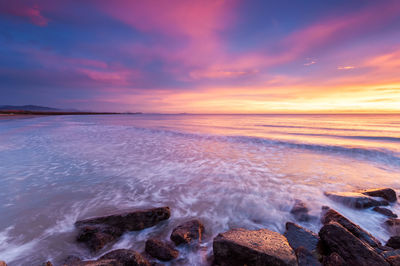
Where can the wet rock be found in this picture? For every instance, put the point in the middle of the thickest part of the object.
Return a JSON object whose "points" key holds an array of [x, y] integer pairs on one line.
{"points": [[387, 254], [332, 215], [258, 247], [71, 260], [110, 262], [353, 251], [3, 263], [393, 225], [300, 211], [334, 259], [130, 221], [386, 193], [305, 257], [394, 242], [394, 260], [385, 212], [298, 236], [161, 250], [355, 199], [126, 257], [187, 232], [47, 263], [95, 237], [100, 231]]}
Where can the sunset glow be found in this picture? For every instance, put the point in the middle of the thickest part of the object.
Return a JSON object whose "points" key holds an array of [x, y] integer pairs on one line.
{"points": [[202, 56]]}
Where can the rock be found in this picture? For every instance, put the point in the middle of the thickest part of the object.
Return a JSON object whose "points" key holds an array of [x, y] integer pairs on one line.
{"points": [[298, 236], [130, 221], [187, 232], [100, 263], [386, 193], [353, 251], [3, 263], [126, 257], [387, 254], [95, 237], [394, 242], [300, 211], [332, 215], [100, 231], [385, 212], [334, 259], [160, 250], [305, 257], [47, 263], [393, 226], [71, 260], [394, 260], [355, 199], [258, 247]]}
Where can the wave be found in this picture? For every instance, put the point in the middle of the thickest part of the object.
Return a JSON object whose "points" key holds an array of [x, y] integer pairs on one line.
{"points": [[372, 154], [323, 128], [391, 139]]}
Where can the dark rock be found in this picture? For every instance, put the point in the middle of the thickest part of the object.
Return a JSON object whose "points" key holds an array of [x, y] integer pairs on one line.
{"points": [[258, 247], [334, 259], [97, 232], [100, 263], [95, 237], [353, 251], [386, 193], [298, 236], [305, 257], [332, 215], [71, 260], [160, 250], [355, 199], [130, 221], [385, 212], [3, 263], [393, 226], [387, 254], [394, 260], [300, 211], [187, 232], [47, 263], [394, 242], [126, 257]]}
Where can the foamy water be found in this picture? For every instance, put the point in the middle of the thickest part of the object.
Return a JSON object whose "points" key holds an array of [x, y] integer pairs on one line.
{"points": [[227, 170]]}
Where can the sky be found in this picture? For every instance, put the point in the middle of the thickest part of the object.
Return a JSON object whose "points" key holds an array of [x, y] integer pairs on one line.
{"points": [[174, 56]]}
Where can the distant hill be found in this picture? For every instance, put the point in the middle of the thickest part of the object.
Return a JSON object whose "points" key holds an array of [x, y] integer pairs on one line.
{"points": [[31, 108]]}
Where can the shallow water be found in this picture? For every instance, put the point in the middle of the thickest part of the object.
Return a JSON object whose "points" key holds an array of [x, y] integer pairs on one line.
{"points": [[227, 170]]}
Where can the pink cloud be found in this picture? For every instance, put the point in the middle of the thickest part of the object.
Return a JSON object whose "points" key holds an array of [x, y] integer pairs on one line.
{"points": [[32, 13]]}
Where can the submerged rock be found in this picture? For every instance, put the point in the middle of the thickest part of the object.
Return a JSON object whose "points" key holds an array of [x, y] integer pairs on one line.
{"points": [[334, 259], [385, 212], [386, 193], [353, 251], [355, 199], [331, 215], [161, 250], [100, 231], [393, 226], [305, 257], [300, 211], [394, 242], [298, 236], [126, 257], [247, 247], [187, 232]]}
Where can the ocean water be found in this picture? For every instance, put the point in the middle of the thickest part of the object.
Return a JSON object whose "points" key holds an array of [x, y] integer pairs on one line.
{"points": [[227, 170]]}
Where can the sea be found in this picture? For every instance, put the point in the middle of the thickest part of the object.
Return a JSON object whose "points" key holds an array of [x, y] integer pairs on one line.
{"points": [[228, 171]]}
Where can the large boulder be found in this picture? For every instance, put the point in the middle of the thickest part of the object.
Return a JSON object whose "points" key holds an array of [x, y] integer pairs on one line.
{"points": [[126, 257], [97, 232], [393, 225], [394, 242], [187, 232], [386, 193], [305, 257], [332, 215], [247, 247], [385, 212], [161, 250], [298, 236], [355, 199], [353, 251], [334, 259]]}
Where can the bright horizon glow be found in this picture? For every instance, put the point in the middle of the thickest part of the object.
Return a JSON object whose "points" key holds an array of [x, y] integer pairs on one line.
{"points": [[219, 57]]}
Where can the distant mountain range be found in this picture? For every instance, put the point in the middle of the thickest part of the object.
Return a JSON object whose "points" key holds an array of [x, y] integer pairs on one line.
{"points": [[33, 108]]}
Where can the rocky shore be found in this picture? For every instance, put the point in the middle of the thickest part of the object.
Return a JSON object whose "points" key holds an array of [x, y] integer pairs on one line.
{"points": [[339, 241]]}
